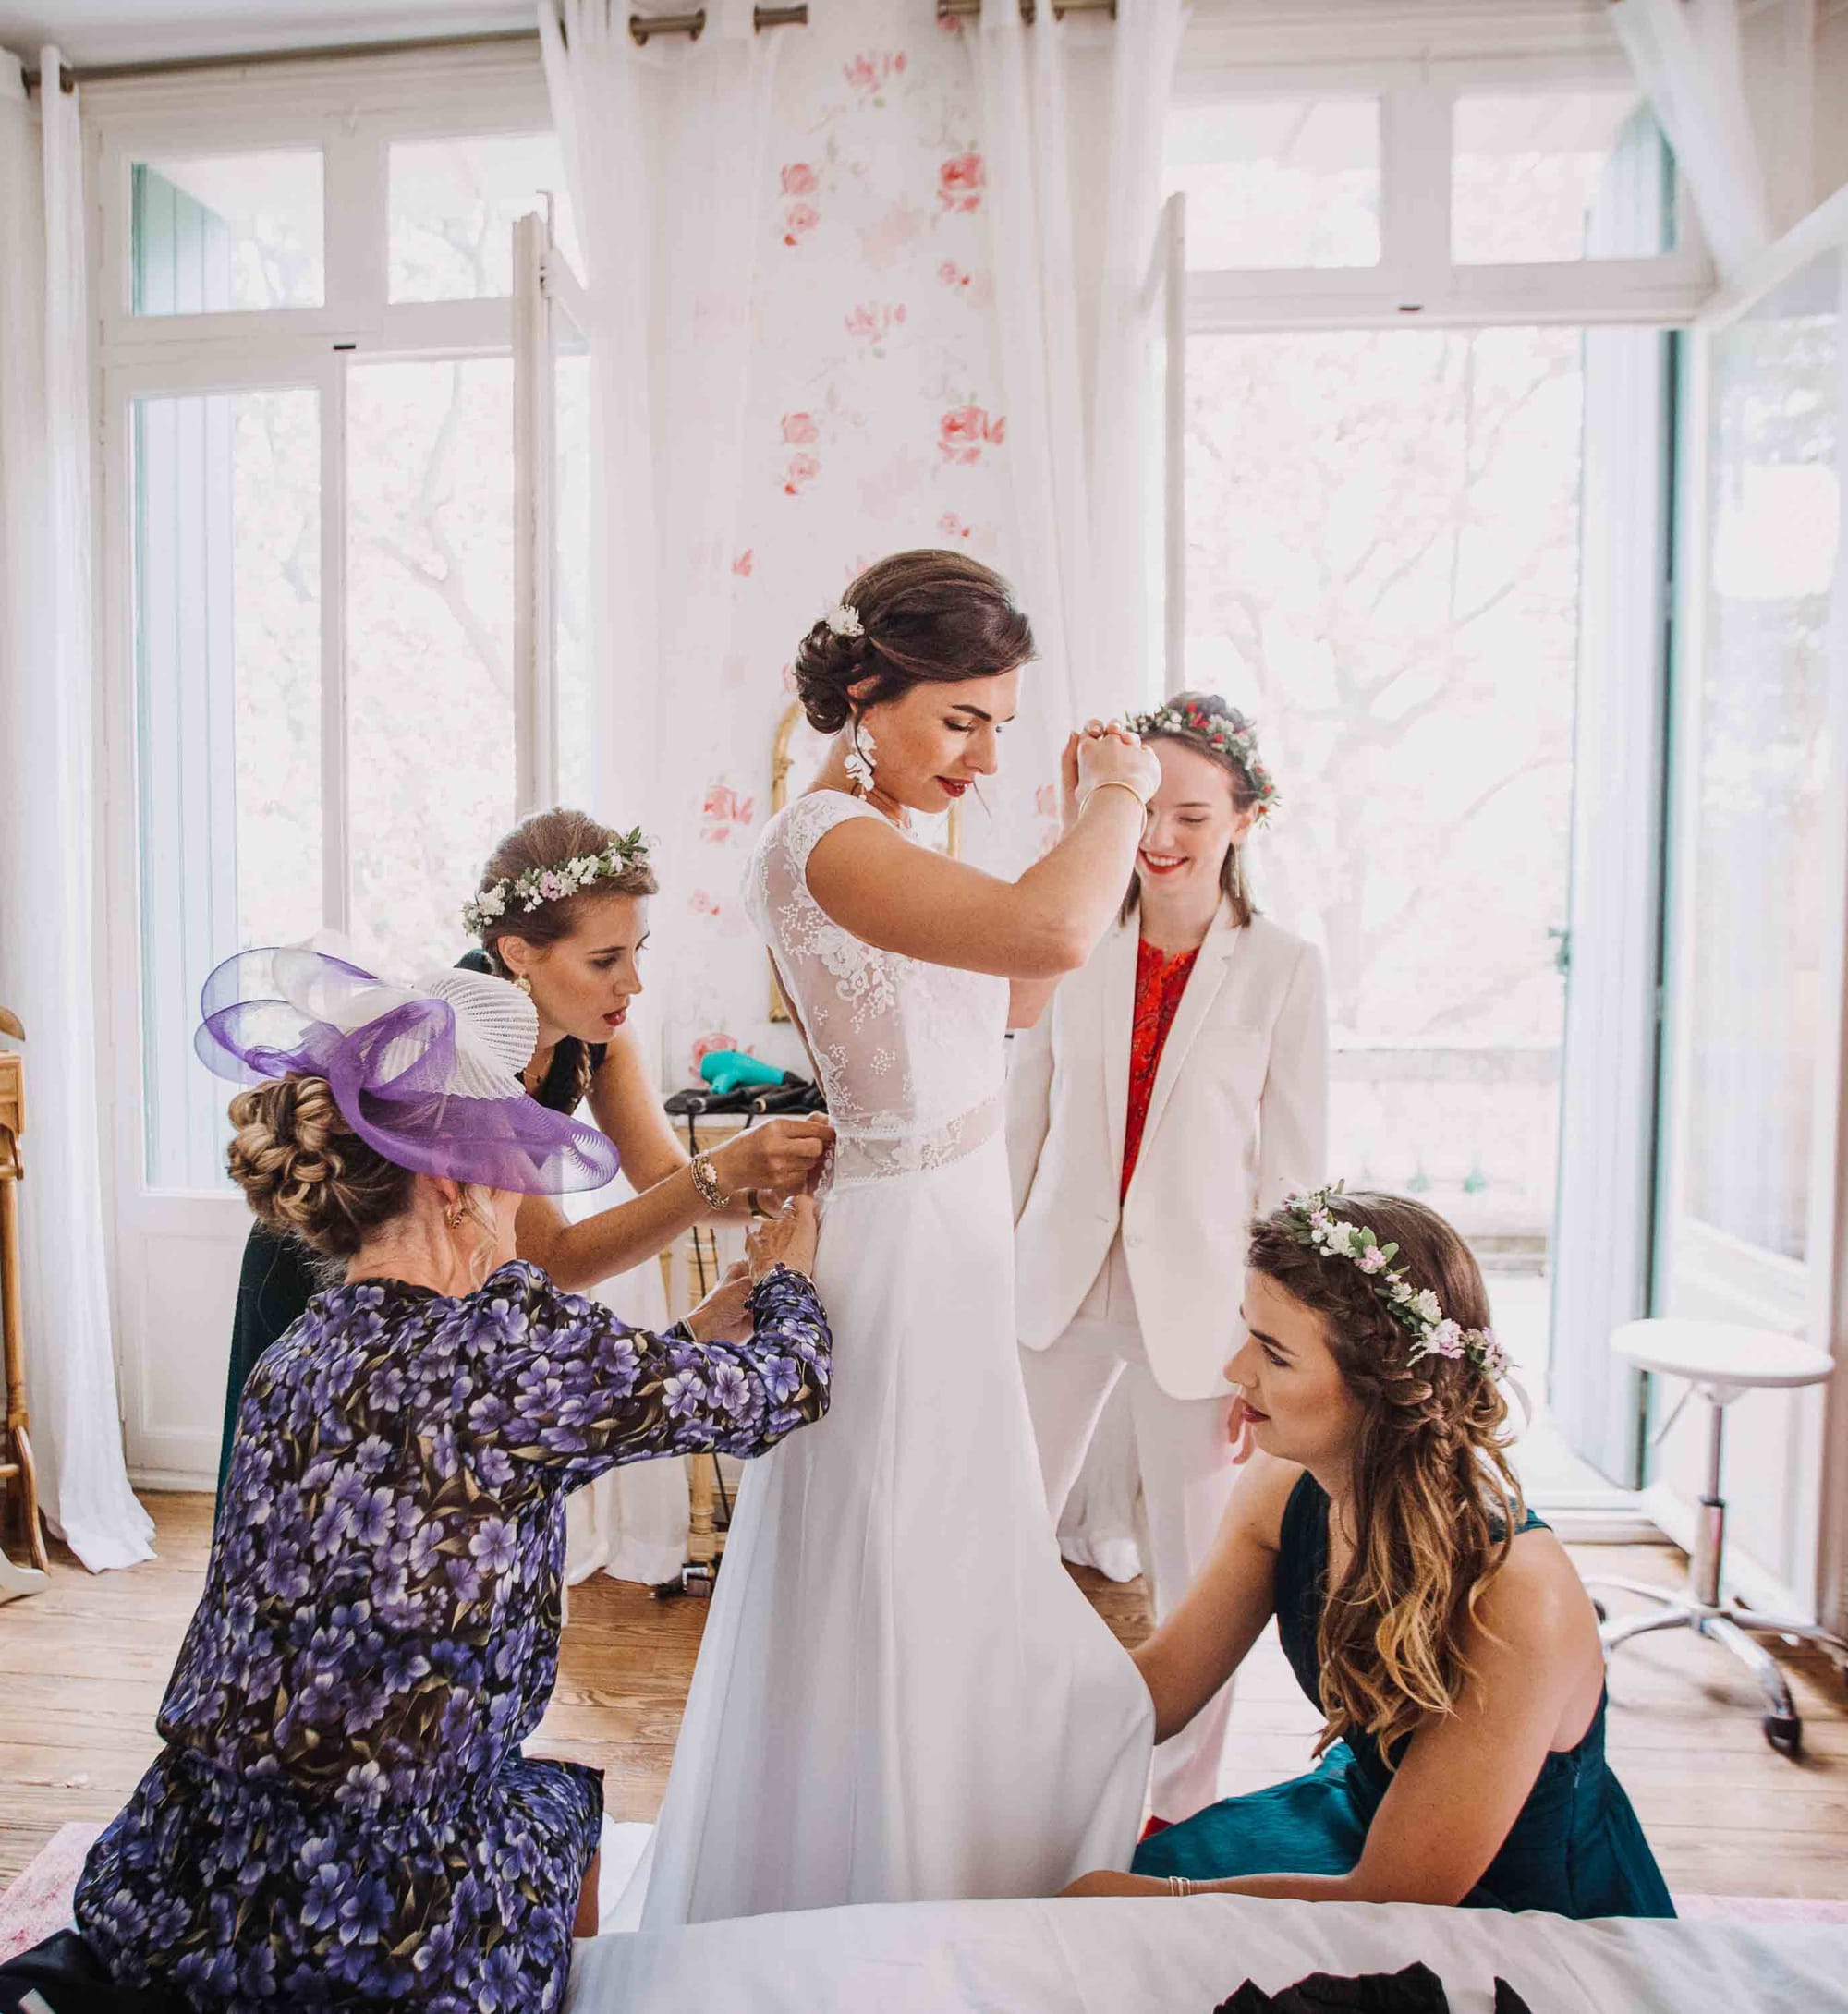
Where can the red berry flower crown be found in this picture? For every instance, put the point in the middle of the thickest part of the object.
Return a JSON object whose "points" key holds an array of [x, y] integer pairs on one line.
{"points": [[1228, 733]]}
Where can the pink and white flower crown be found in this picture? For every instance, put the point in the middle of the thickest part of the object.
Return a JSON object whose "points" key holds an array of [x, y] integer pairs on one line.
{"points": [[1231, 733], [537, 886], [1417, 1310]]}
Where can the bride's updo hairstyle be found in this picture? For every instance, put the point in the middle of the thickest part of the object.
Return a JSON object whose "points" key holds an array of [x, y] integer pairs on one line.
{"points": [[923, 616], [1436, 1503], [305, 1173]]}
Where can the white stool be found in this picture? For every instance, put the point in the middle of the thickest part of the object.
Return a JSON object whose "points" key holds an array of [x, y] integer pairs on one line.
{"points": [[1719, 1360]]}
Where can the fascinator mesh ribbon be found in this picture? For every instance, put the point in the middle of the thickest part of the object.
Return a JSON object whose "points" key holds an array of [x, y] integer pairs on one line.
{"points": [[427, 1075]]}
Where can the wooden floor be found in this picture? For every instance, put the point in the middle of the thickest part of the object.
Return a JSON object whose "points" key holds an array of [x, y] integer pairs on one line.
{"points": [[82, 1667]]}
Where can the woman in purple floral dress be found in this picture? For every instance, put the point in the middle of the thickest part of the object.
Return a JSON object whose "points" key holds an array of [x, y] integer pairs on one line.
{"points": [[341, 1817]]}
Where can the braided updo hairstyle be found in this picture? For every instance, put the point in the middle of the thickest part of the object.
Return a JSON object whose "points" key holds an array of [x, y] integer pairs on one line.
{"points": [[306, 1172], [1436, 1504], [924, 616]]}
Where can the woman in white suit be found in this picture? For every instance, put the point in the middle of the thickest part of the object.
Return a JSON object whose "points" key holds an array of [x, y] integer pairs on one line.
{"points": [[1175, 1087]]}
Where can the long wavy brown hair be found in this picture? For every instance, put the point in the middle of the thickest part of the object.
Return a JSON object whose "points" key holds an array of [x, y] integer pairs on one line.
{"points": [[1436, 1504]]}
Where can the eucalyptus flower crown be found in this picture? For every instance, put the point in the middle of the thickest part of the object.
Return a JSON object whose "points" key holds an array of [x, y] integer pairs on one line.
{"points": [[1231, 733], [537, 886], [1417, 1310]]}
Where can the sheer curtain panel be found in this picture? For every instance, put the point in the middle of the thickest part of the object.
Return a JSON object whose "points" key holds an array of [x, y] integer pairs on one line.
{"points": [[48, 822], [1686, 56], [1073, 231]]}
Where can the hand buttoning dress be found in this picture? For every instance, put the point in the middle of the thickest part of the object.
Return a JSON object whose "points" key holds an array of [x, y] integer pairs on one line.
{"points": [[901, 1694]]}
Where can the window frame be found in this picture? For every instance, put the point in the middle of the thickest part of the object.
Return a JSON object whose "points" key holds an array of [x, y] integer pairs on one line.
{"points": [[351, 111], [1416, 281]]}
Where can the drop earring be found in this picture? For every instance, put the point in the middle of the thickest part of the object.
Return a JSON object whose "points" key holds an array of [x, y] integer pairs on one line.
{"points": [[524, 984], [860, 756]]}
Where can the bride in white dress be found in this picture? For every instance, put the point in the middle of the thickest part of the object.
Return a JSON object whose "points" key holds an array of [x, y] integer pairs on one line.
{"points": [[901, 1695]]}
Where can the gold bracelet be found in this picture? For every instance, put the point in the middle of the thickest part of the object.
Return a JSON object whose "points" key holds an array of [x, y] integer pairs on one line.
{"points": [[706, 1180], [1112, 783]]}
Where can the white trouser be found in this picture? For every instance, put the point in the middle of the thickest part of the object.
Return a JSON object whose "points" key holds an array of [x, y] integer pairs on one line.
{"points": [[1186, 1475]]}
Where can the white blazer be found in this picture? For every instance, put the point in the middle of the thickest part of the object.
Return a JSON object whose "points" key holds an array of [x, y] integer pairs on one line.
{"points": [[1237, 1119]]}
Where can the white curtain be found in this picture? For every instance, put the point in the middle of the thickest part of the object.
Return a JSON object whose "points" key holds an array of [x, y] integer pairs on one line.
{"points": [[664, 147], [1072, 125], [48, 831], [1687, 58]]}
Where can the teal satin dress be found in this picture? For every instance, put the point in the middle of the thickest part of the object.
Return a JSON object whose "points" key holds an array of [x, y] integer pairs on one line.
{"points": [[1575, 1850]]}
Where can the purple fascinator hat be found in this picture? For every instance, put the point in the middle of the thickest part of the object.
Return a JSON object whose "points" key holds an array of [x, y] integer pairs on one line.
{"points": [[428, 1073]]}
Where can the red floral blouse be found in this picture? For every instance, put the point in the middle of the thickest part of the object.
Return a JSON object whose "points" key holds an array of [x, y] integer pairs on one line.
{"points": [[1160, 982]]}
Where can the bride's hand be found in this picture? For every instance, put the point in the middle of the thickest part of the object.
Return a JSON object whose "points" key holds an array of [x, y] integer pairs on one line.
{"points": [[1116, 756]]}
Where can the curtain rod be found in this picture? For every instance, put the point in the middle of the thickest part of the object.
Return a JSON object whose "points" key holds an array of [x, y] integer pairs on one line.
{"points": [[641, 25], [968, 10]]}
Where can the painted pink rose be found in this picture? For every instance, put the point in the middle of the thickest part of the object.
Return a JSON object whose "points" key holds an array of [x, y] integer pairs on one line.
{"points": [[798, 219], [798, 180], [709, 1045], [799, 430], [964, 430], [798, 472], [744, 563], [959, 183], [952, 525], [870, 72], [952, 275], [722, 812], [701, 905]]}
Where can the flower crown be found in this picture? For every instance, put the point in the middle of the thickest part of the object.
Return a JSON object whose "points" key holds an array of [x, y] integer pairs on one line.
{"points": [[540, 885], [1417, 1310], [1229, 733]]}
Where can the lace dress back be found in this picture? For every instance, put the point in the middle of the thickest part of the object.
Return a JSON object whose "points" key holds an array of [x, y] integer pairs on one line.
{"points": [[912, 1056]]}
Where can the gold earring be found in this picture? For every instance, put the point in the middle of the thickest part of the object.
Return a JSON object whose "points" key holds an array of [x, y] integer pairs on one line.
{"points": [[455, 1217], [524, 984]]}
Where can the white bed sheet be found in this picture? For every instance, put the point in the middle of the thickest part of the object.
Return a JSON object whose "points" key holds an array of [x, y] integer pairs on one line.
{"points": [[1165, 1956]]}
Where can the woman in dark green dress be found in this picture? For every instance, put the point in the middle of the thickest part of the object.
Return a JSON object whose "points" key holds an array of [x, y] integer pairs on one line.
{"points": [[1439, 1626], [562, 911]]}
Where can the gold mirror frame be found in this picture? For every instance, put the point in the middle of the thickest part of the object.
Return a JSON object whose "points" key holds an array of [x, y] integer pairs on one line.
{"points": [[782, 760]]}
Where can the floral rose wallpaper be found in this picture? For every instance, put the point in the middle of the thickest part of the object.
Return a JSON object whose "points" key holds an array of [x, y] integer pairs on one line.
{"points": [[875, 422]]}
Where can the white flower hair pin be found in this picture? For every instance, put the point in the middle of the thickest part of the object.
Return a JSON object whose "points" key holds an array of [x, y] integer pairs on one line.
{"points": [[844, 619], [1417, 1310]]}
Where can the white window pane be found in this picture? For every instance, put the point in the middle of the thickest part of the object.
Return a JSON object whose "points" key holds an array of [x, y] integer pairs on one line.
{"points": [[429, 645], [227, 678], [1760, 913], [577, 709], [1276, 182], [1383, 572], [453, 204], [1540, 177], [213, 233]]}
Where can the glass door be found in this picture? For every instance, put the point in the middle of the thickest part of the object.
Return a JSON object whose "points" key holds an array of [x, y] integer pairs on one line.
{"points": [[1756, 887]]}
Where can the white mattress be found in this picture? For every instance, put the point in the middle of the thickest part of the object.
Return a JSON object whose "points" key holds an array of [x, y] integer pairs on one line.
{"points": [[1184, 1957]]}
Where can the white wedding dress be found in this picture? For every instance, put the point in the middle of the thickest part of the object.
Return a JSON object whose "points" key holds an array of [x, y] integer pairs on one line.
{"points": [[901, 1695]]}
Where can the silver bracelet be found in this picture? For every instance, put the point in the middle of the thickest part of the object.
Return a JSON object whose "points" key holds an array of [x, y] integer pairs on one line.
{"points": [[706, 1180], [1179, 1884]]}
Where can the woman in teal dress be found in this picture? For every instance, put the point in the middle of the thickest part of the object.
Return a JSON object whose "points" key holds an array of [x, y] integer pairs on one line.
{"points": [[1439, 1625]]}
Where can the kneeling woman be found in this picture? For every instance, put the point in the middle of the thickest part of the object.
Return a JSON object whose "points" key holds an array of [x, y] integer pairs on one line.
{"points": [[342, 1814], [1437, 1624]]}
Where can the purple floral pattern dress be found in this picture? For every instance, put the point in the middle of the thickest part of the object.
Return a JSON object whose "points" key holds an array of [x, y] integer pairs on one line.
{"points": [[341, 1817]]}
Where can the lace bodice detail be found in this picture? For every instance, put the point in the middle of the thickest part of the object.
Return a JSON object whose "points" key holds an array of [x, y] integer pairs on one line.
{"points": [[912, 1056]]}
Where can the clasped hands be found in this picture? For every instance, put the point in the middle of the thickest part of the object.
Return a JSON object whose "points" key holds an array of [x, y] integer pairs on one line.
{"points": [[1104, 752]]}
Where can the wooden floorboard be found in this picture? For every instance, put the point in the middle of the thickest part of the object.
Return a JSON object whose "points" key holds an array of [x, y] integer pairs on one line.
{"points": [[82, 1667]]}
